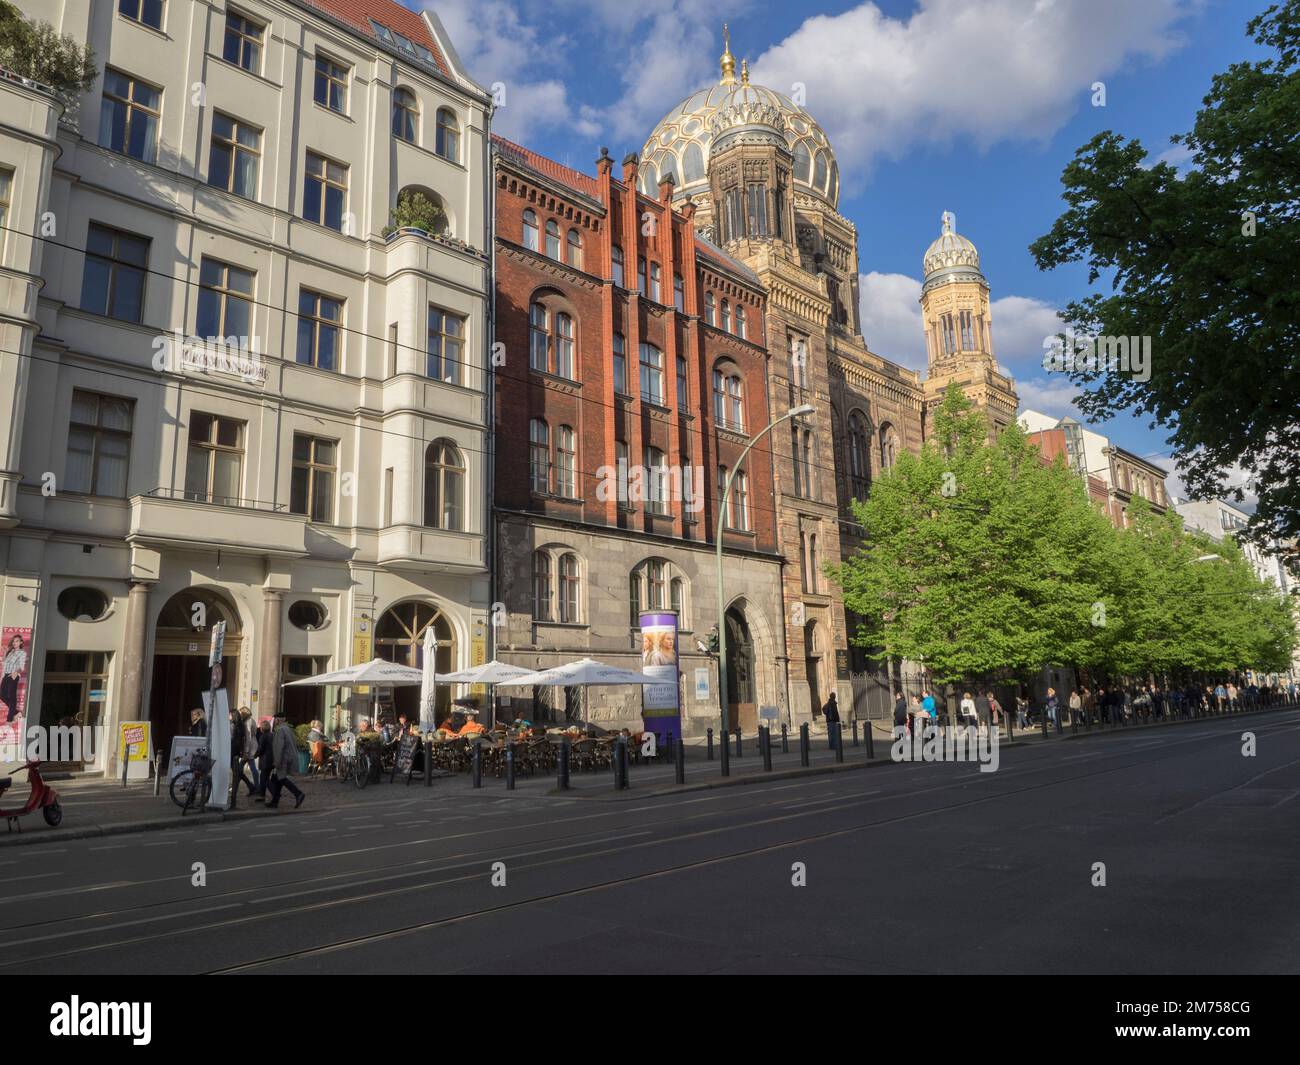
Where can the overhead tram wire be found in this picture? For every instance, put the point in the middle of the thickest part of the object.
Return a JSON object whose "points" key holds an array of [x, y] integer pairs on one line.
{"points": [[387, 341]]}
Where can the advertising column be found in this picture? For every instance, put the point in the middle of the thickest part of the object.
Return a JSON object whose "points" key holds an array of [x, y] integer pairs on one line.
{"points": [[660, 701]]}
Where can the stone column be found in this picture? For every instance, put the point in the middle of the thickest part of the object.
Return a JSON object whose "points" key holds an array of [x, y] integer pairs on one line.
{"points": [[130, 704], [268, 673]]}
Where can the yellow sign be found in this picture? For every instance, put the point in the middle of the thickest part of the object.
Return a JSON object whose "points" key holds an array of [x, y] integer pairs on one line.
{"points": [[478, 653], [133, 736], [362, 645]]}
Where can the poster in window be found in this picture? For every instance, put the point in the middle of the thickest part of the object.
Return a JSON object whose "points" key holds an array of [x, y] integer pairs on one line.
{"points": [[14, 682]]}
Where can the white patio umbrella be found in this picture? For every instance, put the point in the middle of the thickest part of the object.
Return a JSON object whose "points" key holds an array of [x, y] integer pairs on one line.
{"points": [[377, 673], [490, 673], [582, 673], [429, 682]]}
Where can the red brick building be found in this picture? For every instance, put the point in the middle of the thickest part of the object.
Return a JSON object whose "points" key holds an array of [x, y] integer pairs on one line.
{"points": [[631, 368]]}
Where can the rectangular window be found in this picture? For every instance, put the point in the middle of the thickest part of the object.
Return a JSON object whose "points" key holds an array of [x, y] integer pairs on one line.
{"points": [[681, 384], [320, 330], [566, 463], [446, 346], [311, 491], [215, 461], [331, 84], [616, 254], [656, 483], [652, 375], [6, 191], [112, 280], [325, 191], [641, 286], [225, 301], [388, 497], [679, 294], [621, 470], [235, 156], [243, 42], [656, 585], [620, 364], [148, 12], [99, 444], [798, 355], [128, 116], [656, 288]]}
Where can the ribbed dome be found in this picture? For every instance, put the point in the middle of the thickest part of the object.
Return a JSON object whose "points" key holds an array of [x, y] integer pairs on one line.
{"points": [[951, 255], [681, 142]]}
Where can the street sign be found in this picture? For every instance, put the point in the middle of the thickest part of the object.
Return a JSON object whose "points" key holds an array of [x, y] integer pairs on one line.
{"points": [[767, 713], [218, 644]]}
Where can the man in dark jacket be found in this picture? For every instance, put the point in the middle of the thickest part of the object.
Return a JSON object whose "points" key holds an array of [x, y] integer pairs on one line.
{"points": [[982, 710], [265, 759], [900, 712], [284, 752], [237, 760]]}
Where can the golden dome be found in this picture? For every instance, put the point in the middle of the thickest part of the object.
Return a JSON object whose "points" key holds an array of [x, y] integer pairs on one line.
{"points": [[680, 143], [951, 256]]}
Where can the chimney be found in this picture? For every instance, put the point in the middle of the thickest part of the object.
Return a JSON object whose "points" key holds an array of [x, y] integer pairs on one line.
{"points": [[629, 168], [666, 185], [604, 165]]}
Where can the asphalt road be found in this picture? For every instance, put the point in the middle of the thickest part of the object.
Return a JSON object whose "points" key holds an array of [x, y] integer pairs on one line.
{"points": [[915, 868]]}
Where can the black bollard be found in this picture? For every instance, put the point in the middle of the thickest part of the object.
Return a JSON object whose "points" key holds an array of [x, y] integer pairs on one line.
{"points": [[871, 740], [1060, 729], [839, 742], [1074, 723], [562, 766], [1044, 723], [668, 744], [710, 745], [737, 741], [785, 741], [765, 741], [428, 763], [476, 766], [855, 731], [627, 764], [680, 760], [510, 767], [803, 744], [724, 754]]}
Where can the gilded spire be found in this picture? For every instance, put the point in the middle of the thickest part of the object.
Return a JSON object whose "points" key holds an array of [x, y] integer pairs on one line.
{"points": [[949, 222], [728, 61], [744, 72]]}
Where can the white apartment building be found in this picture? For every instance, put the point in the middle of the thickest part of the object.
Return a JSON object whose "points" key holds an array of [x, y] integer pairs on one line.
{"points": [[1218, 518], [323, 487]]}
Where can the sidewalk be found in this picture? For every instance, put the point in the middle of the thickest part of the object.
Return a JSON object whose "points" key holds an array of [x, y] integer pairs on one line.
{"points": [[97, 807]]}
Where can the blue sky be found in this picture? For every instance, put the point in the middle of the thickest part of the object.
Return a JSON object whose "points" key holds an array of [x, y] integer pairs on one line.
{"points": [[972, 106]]}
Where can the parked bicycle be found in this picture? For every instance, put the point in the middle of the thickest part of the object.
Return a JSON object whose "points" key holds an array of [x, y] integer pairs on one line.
{"points": [[191, 788]]}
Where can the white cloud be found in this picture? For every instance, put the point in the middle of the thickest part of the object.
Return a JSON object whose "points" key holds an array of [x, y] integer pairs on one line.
{"points": [[990, 70], [1020, 325], [497, 45], [1051, 395]]}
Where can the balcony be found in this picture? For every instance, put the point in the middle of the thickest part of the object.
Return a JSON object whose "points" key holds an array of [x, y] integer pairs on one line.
{"points": [[165, 518], [431, 550]]}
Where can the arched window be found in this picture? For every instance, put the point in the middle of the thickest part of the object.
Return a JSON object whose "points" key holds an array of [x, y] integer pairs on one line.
{"points": [[539, 456], [539, 338], [805, 483], [677, 595], [656, 283], [575, 249], [888, 447], [710, 309], [820, 172], [564, 345], [656, 584], [553, 240], [444, 486], [620, 365], [634, 598], [566, 462], [859, 458], [740, 501], [541, 586], [652, 375], [570, 588], [726, 316], [406, 115], [530, 229], [447, 143], [728, 397], [802, 163], [616, 258]]}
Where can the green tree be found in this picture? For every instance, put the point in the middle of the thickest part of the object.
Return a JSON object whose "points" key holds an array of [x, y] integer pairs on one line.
{"points": [[36, 50], [1205, 265]]}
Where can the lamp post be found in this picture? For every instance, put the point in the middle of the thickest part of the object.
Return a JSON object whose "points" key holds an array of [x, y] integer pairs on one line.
{"points": [[793, 412]]}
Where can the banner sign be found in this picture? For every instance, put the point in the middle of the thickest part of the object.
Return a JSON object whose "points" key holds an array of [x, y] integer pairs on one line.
{"points": [[660, 701], [13, 684], [135, 745]]}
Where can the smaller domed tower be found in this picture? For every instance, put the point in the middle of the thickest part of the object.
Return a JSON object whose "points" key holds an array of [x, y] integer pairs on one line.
{"points": [[958, 329]]}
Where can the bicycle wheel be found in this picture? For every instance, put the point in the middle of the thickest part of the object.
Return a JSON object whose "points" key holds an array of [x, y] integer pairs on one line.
{"points": [[179, 788], [361, 769]]}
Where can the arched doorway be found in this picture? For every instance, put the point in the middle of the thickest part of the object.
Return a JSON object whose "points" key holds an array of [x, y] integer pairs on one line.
{"points": [[182, 637], [399, 637], [814, 662], [742, 702]]}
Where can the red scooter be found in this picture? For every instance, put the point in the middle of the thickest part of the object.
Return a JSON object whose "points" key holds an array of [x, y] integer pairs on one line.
{"points": [[43, 797]]}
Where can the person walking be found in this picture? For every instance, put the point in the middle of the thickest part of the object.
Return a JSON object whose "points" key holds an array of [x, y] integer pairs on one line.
{"points": [[996, 712], [1076, 706], [265, 759], [1050, 708], [284, 750], [831, 714], [1022, 711], [900, 715], [983, 711], [237, 759], [966, 710], [248, 734]]}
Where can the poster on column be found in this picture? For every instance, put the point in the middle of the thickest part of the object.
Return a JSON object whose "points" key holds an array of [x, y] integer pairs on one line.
{"points": [[13, 686], [660, 701], [218, 745]]}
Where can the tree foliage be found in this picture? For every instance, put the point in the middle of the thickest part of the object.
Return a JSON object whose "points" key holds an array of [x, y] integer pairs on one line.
{"points": [[417, 211], [1204, 263], [982, 561], [36, 50]]}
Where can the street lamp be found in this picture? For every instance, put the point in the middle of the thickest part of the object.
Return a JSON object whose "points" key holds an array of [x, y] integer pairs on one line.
{"points": [[793, 412]]}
